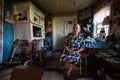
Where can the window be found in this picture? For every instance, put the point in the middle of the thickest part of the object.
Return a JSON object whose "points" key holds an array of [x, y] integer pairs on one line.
{"points": [[98, 20]]}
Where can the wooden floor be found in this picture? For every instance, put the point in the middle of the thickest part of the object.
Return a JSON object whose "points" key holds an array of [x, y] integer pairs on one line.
{"points": [[32, 72], [35, 71], [6, 74]]}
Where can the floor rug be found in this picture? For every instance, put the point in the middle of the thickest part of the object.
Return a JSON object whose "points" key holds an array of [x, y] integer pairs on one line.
{"points": [[52, 75], [6, 74], [85, 79]]}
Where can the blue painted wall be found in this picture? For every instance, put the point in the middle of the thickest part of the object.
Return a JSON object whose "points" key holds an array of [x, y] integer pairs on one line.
{"points": [[7, 33]]}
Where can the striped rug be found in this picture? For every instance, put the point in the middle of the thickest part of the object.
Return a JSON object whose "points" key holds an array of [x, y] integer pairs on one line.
{"points": [[85, 79], [6, 74], [52, 75]]}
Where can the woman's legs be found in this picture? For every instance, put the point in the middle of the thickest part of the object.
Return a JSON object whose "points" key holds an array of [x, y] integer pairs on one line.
{"points": [[70, 69]]}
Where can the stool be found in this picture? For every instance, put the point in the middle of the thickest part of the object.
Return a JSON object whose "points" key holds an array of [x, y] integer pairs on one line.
{"points": [[83, 55]]}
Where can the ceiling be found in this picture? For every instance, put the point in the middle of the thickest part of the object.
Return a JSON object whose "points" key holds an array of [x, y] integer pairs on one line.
{"points": [[62, 6]]}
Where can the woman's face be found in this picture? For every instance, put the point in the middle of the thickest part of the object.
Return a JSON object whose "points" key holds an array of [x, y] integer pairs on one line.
{"points": [[76, 29]]}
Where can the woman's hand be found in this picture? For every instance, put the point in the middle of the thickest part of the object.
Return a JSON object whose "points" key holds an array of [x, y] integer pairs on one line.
{"points": [[72, 52]]}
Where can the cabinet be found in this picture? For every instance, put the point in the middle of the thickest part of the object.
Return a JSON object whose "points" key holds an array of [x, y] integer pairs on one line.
{"points": [[108, 70], [108, 67], [29, 21]]}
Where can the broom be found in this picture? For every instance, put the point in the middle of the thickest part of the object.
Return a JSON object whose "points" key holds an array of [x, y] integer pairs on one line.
{"points": [[16, 43]]}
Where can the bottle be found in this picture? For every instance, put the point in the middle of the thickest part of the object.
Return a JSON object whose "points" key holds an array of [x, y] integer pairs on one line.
{"points": [[102, 35], [16, 16]]}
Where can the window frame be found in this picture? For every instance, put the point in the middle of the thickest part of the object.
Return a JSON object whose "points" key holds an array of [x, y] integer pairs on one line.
{"points": [[105, 13]]}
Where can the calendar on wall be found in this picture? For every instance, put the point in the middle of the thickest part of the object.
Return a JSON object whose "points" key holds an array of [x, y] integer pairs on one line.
{"points": [[1, 30]]}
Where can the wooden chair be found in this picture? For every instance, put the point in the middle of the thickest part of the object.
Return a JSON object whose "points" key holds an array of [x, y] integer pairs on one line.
{"points": [[84, 56], [35, 52]]}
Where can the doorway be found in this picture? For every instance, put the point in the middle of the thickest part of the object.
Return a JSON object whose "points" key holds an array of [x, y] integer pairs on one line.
{"points": [[62, 26]]}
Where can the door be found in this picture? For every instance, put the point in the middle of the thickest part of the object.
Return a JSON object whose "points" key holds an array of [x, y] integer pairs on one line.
{"points": [[58, 34], [61, 27]]}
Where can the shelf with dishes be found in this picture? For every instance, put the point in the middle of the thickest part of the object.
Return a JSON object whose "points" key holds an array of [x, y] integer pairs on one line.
{"points": [[29, 21], [116, 13], [26, 11]]}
